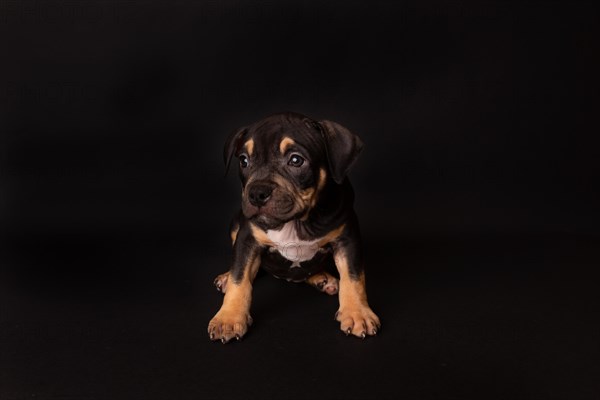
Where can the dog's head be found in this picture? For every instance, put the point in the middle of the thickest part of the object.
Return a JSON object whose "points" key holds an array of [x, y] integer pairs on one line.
{"points": [[285, 161]]}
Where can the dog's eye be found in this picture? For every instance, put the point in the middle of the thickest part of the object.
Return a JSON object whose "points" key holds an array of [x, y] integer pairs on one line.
{"points": [[243, 161], [296, 160]]}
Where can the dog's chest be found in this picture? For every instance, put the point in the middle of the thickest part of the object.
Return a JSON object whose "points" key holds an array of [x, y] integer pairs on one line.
{"points": [[290, 246]]}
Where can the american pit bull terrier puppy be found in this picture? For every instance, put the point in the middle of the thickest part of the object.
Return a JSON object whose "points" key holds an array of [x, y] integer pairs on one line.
{"points": [[296, 216]]}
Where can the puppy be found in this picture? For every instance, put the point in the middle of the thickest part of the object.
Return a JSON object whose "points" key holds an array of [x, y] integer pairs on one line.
{"points": [[297, 213]]}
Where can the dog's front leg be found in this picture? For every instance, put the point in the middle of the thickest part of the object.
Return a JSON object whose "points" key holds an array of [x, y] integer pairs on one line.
{"points": [[233, 319], [355, 315]]}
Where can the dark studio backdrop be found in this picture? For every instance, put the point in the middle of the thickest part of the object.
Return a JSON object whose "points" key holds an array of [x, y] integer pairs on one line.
{"points": [[476, 191]]}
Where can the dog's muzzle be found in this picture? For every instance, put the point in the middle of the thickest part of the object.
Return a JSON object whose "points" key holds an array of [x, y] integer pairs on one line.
{"points": [[269, 202]]}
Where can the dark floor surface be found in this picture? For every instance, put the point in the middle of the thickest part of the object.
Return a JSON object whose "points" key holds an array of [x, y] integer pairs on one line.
{"points": [[477, 116], [124, 317]]}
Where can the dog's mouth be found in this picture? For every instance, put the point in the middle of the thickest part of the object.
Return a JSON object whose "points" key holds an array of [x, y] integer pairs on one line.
{"points": [[280, 209]]}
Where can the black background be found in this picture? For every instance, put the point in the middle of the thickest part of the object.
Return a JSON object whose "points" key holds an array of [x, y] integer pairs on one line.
{"points": [[476, 190]]}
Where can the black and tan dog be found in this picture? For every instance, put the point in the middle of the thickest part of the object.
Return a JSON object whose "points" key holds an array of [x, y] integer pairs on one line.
{"points": [[297, 212]]}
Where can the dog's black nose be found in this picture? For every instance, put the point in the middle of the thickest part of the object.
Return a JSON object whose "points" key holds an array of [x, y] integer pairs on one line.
{"points": [[260, 193]]}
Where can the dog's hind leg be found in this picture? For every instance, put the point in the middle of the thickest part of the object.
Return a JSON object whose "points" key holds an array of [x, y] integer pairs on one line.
{"points": [[220, 282]]}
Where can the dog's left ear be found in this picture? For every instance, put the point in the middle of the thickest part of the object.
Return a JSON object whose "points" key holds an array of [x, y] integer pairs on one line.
{"points": [[232, 144], [343, 148]]}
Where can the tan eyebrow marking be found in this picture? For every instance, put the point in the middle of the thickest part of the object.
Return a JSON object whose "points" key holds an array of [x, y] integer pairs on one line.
{"points": [[249, 146], [285, 143]]}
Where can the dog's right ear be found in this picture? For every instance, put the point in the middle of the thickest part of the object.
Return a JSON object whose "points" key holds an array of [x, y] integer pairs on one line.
{"points": [[343, 148], [232, 145]]}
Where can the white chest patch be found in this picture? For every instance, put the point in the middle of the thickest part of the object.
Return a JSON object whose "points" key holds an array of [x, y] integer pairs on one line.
{"points": [[290, 246]]}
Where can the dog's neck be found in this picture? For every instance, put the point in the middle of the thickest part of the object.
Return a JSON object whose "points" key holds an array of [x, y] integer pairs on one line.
{"points": [[331, 210]]}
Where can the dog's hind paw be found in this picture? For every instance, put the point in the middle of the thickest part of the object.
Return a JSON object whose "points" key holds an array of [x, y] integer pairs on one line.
{"points": [[324, 282], [220, 282]]}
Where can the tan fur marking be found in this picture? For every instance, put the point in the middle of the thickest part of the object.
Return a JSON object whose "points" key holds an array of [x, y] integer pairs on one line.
{"points": [[355, 315], [234, 233], [322, 178], [324, 282], [311, 195], [233, 318], [285, 143], [237, 298], [320, 185], [249, 146], [260, 236], [331, 236], [315, 279], [352, 292], [244, 288], [307, 195]]}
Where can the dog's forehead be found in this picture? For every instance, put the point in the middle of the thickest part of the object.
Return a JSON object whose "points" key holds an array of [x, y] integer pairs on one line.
{"points": [[272, 135]]}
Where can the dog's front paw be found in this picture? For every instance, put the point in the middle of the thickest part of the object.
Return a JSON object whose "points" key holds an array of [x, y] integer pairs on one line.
{"points": [[358, 320], [227, 325]]}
